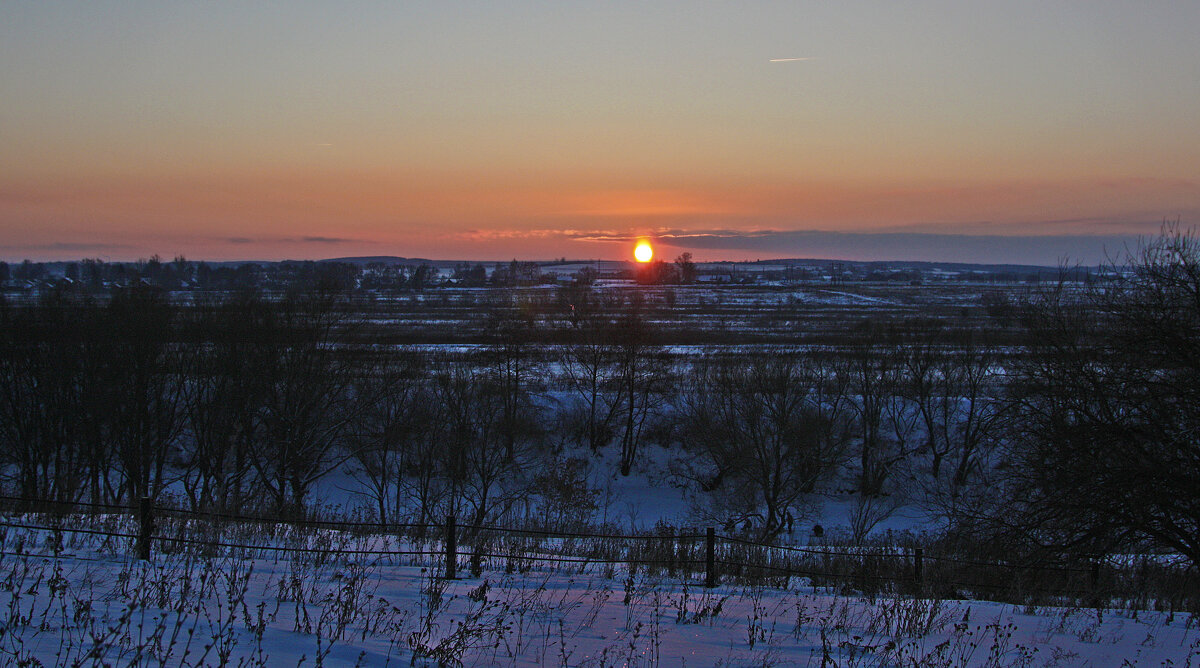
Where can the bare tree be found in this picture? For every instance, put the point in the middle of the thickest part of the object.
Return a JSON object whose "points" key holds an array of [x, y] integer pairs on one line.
{"points": [[394, 417], [771, 430], [41, 396], [928, 387], [309, 404], [687, 268], [228, 379], [481, 475], [1103, 447], [511, 363], [954, 385], [971, 375], [872, 375], [868, 512], [642, 379], [146, 385], [589, 365]]}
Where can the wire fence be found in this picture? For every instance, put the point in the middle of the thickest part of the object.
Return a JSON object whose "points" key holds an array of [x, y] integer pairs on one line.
{"points": [[143, 529]]}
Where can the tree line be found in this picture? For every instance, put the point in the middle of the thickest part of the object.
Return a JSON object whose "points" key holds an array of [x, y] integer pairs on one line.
{"points": [[1084, 438]]}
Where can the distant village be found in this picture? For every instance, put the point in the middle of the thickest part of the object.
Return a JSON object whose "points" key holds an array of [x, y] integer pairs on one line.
{"points": [[395, 274]]}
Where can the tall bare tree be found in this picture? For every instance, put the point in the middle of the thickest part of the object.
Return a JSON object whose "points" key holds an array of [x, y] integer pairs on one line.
{"points": [[146, 386], [481, 474], [309, 405], [770, 428], [1104, 449], [954, 383], [512, 364], [589, 364], [390, 426], [642, 379], [228, 379], [872, 374], [42, 382]]}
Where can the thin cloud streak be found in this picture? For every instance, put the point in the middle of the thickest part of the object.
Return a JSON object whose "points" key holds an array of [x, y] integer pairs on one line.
{"points": [[68, 246], [290, 240], [789, 60]]}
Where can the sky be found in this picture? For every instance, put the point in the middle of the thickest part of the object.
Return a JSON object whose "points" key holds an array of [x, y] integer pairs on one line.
{"points": [[1031, 132]]}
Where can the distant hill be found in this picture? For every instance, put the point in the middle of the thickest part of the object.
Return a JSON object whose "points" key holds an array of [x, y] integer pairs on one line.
{"points": [[384, 259], [611, 265], [896, 264]]}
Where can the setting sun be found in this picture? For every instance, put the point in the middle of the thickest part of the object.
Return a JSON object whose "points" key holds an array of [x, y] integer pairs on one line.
{"points": [[643, 252]]}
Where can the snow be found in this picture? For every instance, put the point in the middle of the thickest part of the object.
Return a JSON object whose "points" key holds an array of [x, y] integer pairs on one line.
{"points": [[93, 602], [225, 606]]}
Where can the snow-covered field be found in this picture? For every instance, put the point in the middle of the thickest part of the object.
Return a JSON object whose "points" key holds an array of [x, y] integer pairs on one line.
{"points": [[83, 600]]}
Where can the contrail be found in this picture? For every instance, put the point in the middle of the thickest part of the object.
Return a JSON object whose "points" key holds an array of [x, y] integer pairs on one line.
{"points": [[788, 60]]}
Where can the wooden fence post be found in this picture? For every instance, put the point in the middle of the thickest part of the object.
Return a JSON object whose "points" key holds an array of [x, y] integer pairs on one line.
{"points": [[710, 558], [451, 549], [145, 527]]}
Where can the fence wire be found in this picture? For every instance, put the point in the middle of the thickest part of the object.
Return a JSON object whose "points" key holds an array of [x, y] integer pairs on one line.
{"points": [[728, 555]]}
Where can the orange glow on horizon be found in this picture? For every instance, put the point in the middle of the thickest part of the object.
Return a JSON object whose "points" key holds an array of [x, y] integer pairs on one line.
{"points": [[278, 215]]}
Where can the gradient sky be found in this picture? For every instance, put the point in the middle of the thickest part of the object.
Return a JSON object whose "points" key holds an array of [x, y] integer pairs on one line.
{"points": [[999, 131]]}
